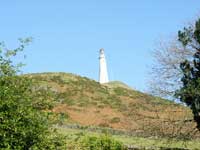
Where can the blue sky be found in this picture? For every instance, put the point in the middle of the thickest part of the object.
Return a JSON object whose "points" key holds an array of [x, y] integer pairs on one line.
{"points": [[68, 34]]}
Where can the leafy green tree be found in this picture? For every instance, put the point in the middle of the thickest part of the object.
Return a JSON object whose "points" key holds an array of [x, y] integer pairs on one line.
{"points": [[22, 125], [189, 93]]}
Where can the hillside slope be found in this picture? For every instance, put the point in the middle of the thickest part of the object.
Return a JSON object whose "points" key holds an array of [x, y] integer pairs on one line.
{"points": [[114, 105]]}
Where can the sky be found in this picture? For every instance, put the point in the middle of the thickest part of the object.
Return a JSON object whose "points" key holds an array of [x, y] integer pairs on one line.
{"points": [[67, 34]]}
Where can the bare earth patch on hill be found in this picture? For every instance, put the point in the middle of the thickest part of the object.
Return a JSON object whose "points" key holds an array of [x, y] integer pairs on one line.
{"points": [[106, 117]]}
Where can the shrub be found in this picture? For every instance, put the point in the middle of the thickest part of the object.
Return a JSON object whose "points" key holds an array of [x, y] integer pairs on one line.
{"points": [[104, 142], [104, 124], [23, 125], [115, 120]]}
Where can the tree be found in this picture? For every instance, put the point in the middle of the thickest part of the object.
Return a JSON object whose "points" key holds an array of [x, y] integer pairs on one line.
{"points": [[189, 93], [22, 125], [166, 73]]}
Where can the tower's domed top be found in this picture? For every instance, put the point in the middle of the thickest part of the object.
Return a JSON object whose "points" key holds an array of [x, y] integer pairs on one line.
{"points": [[101, 50]]}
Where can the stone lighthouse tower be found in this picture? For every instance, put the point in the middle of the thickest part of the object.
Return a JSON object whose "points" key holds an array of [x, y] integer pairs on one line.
{"points": [[103, 73]]}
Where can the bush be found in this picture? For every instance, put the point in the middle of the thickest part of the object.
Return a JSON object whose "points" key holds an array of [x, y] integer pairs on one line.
{"points": [[104, 142], [23, 125], [115, 120]]}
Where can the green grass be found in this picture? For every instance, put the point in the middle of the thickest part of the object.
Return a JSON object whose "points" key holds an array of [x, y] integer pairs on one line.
{"points": [[79, 86], [115, 84], [140, 142]]}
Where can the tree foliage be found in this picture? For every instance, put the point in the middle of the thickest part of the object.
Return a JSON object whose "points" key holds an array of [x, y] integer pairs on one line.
{"points": [[22, 124], [189, 93]]}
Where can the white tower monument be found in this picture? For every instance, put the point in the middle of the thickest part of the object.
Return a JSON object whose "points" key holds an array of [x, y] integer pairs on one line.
{"points": [[103, 74]]}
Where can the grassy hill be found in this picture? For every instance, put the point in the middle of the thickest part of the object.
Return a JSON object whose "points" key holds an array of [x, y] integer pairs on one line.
{"points": [[87, 104], [83, 108]]}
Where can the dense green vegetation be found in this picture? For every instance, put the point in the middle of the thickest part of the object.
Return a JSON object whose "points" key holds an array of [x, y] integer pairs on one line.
{"points": [[23, 124], [190, 91]]}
